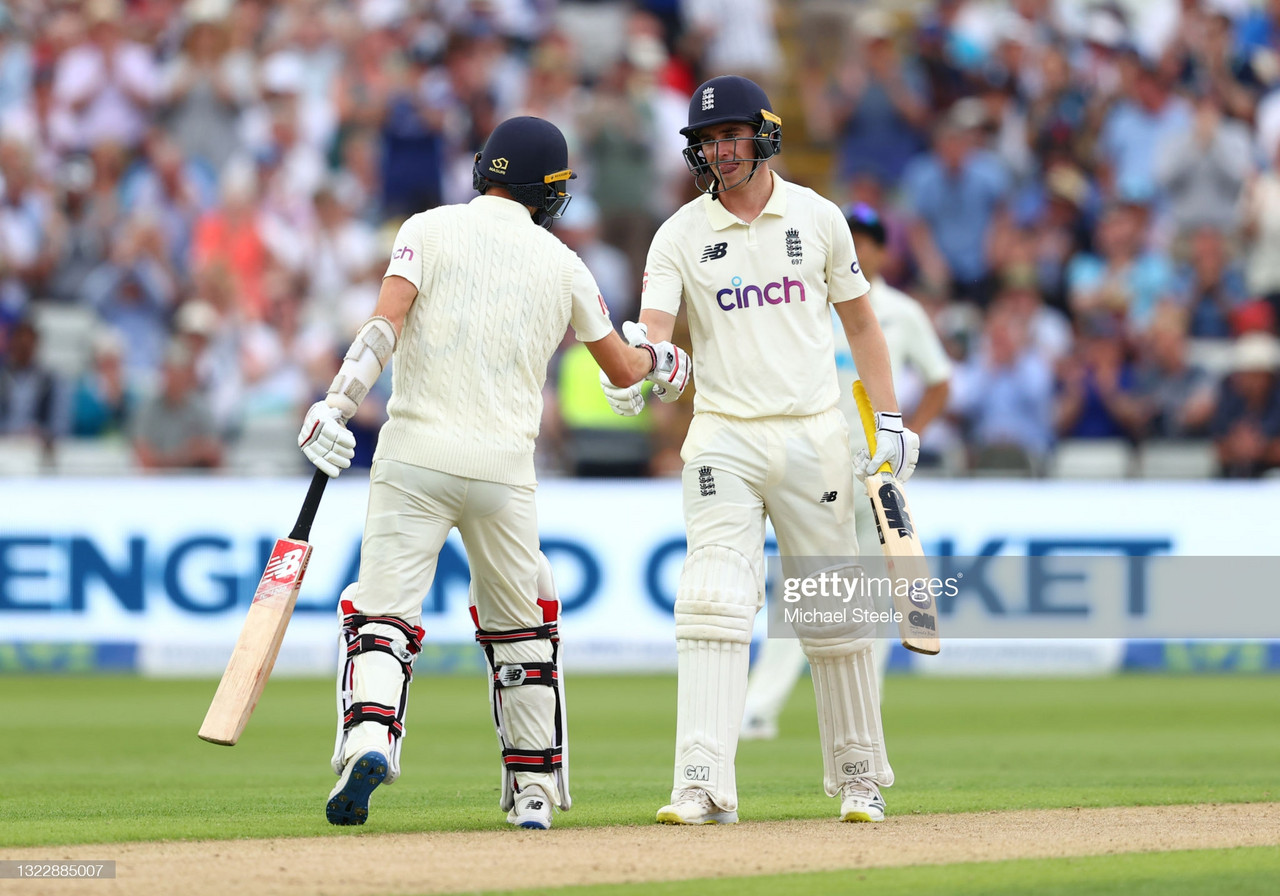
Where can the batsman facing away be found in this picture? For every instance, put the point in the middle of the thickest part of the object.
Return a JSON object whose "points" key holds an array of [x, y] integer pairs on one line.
{"points": [[758, 262], [474, 302]]}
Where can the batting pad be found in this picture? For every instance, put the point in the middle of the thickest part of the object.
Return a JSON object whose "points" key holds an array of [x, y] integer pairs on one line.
{"points": [[712, 690], [848, 699]]}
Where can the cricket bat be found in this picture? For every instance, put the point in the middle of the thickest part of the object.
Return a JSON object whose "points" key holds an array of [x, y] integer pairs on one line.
{"points": [[916, 608], [259, 642]]}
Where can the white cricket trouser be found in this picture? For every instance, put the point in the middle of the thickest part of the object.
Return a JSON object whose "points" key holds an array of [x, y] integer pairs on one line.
{"points": [[797, 471], [411, 512], [781, 661]]}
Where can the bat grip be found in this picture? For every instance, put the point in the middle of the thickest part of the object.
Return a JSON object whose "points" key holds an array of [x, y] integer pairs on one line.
{"points": [[306, 516], [868, 417]]}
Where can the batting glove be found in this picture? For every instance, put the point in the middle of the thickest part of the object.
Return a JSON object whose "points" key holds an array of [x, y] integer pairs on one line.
{"points": [[626, 402], [672, 366], [895, 445], [325, 439]]}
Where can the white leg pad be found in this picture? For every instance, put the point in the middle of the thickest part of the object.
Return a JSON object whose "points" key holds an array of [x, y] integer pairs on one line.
{"points": [[848, 698], [716, 603]]}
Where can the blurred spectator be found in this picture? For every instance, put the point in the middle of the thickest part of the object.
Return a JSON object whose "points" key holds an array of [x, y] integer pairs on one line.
{"points": [[1176, 397], [735, 36], [1122, 278], [33, 400], [1261, 222], [1203, 170], [229, 236], [174, 430], [878, 105], [133, 293], [204, 89], [953, 194], [626, 159], [1210, 285], [413, 129], [27, 219], [1146, 117], [106, 84], [1246, 426], [209, 327], [82, 233], [1096, 395], [104, 398], [1004, 393], [579, 229], [17, 66]]}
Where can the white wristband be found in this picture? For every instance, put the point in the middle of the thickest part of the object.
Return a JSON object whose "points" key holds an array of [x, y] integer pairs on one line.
{"points": [[361, 366]]}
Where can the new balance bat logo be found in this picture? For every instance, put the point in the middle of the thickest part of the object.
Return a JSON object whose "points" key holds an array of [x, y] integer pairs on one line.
{"points": [[284, 567], [895, 513]]}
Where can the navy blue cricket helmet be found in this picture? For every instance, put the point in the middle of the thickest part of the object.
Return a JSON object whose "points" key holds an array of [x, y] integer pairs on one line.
{"points": [[729, 98], [528, 157]]}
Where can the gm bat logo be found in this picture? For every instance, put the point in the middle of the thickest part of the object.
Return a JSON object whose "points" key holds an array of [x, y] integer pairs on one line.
{"points": [[284, 567], [895, 510], [922, 620]]}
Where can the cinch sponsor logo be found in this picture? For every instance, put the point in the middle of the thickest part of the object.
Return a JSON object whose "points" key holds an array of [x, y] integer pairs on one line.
{"points": [[740, 296]]}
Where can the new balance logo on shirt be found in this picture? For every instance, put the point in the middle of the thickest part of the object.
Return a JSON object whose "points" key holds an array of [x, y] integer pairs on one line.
{"points": [[712, 252], [827, 498]]}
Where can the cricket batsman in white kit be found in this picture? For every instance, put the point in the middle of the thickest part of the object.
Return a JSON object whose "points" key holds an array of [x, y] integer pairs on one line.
{"points": [[474, 303], [913, 343], [759, 263]]}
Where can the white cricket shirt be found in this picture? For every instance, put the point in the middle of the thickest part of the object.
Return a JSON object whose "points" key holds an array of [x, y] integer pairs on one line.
{"points": [[496, 293], [758, 299]]}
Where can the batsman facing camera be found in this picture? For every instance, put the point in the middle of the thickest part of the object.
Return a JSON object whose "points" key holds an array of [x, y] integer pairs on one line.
{"points": [[724, 100]]}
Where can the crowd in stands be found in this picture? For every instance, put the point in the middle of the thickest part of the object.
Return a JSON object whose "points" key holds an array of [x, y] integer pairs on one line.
{"points": [[197, 199]]}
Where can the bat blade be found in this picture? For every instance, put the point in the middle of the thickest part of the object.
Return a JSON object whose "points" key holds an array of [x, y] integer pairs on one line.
{"points": [[915, 605], [259, 643]]}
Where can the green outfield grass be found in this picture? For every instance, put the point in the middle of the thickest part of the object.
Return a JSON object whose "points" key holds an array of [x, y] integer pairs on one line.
{"points": [[113, 759], [1239, 872]]}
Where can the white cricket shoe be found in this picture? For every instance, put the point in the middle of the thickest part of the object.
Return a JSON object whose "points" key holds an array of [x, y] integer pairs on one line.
{"points": [[860, 800], [532, 809], [758, 728], [693, 805]]}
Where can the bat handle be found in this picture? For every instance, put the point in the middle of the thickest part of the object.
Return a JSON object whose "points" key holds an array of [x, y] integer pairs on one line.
{"points": [[306, 516], [868, 418]]}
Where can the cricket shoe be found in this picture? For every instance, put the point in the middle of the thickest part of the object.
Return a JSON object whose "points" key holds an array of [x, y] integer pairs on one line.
{"points": [[860, 800], [758, 728], [349, 801], [693, 805], [532, 809]]}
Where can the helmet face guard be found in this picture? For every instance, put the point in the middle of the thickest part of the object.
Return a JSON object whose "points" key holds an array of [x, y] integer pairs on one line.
{"points": [[702, 156]]}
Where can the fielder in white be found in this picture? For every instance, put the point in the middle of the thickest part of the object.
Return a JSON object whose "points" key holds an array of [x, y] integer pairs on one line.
{"points": [[759, 264], [474, 302], [913, 343]]}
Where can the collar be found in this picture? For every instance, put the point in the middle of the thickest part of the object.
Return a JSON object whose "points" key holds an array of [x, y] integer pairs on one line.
{"points": [[502, 207], [721, 218]]}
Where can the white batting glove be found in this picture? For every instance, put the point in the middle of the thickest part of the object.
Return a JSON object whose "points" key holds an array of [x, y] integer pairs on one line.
{"points": [[626, 402], [672, 366], [325, 439], [895, 445]]}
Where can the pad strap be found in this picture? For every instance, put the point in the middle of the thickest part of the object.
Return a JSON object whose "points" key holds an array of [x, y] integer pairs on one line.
{"points": [[373, 712], [511, 675], [532, 760], [548, 631]]}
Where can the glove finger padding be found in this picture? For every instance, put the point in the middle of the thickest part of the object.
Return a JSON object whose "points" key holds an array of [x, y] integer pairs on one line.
{"points": [[672, 371], [625, 401], [325, 441]]}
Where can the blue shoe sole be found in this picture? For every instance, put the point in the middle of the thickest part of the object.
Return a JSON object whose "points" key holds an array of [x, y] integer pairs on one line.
{"points": [[351, 804]]}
